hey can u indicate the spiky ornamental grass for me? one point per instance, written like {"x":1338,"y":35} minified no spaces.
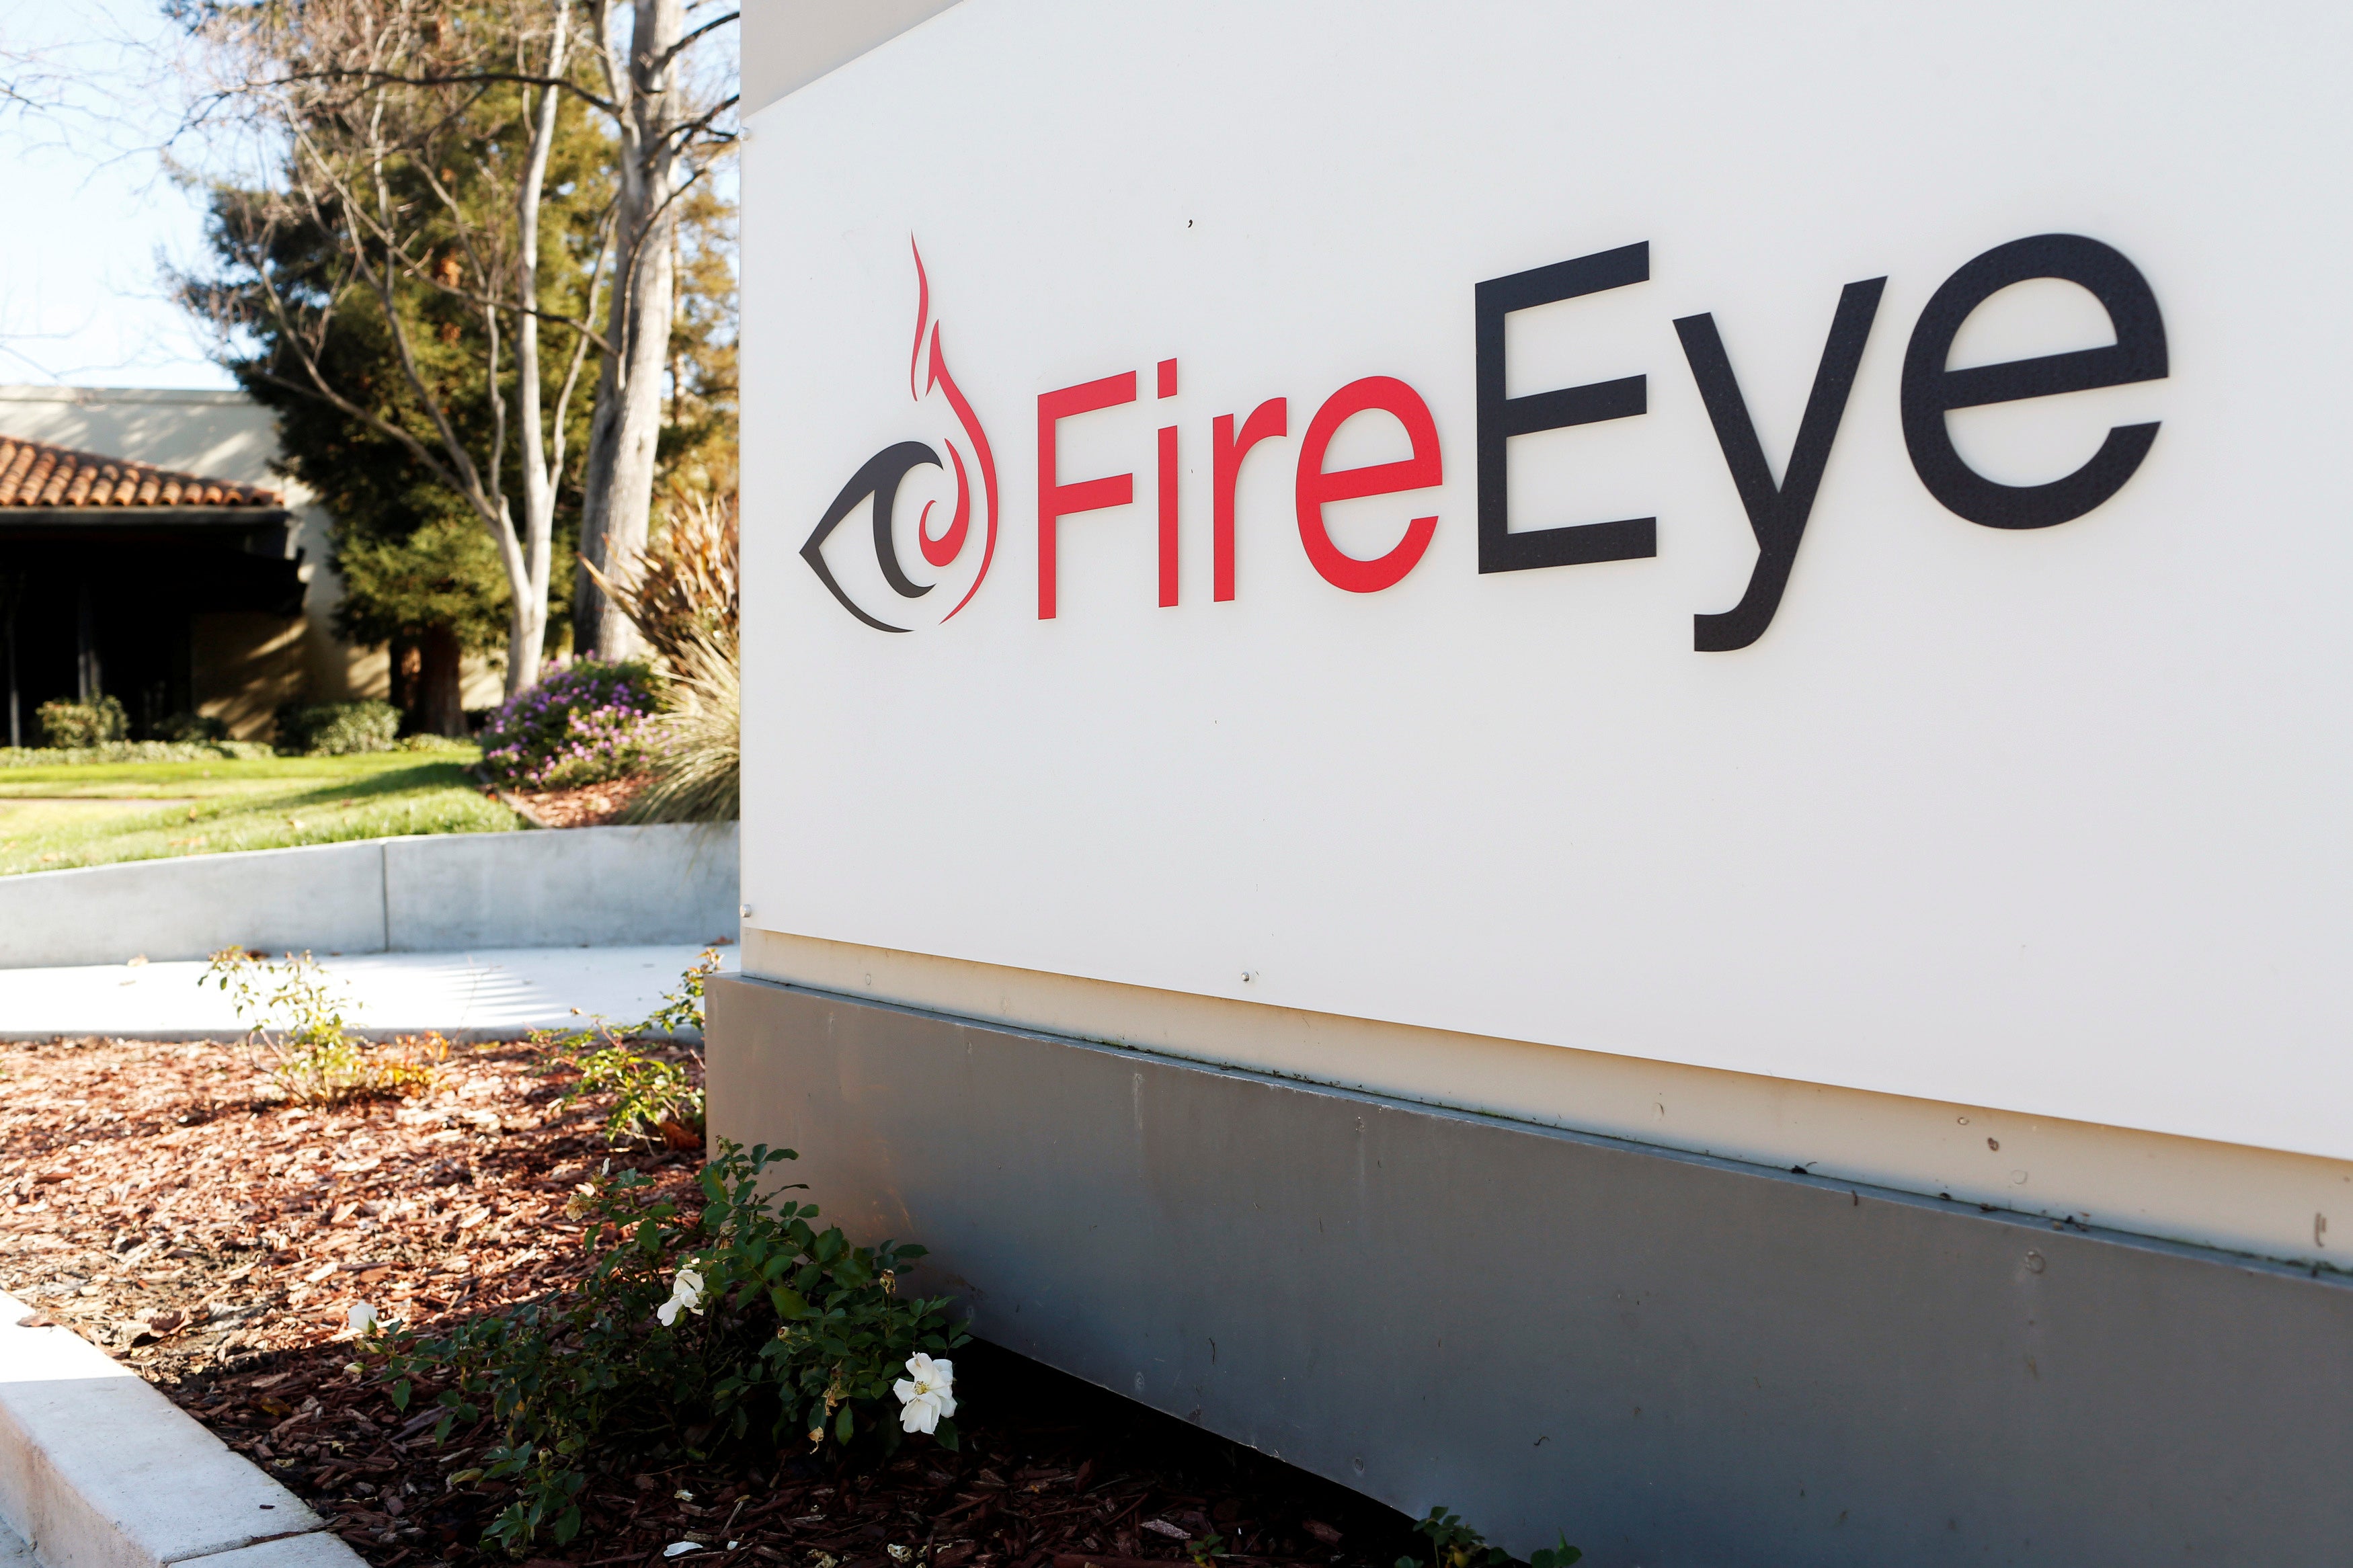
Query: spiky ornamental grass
{"x":685,"y":584}
{"x":695,"y":752}
{"x":683,"y":594}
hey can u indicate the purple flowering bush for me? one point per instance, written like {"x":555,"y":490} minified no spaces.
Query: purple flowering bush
{"x":584,"y":723}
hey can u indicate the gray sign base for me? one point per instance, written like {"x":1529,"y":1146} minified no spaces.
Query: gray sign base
{"x":1683,"y":1362}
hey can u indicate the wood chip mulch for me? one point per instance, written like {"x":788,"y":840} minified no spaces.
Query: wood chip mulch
{"x":589,"y":805}
{"x":159,"y":1200}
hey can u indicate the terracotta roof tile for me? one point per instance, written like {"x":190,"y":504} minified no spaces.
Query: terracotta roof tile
{"x":34,"y":473}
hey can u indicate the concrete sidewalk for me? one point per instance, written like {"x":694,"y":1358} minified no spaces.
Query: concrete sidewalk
{"x":482,"y":995}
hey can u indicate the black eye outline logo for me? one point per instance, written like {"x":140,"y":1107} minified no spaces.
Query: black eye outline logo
{"x":881,"y":473}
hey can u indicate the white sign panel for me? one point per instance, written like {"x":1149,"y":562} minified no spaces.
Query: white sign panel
{"x":1812,"y":539}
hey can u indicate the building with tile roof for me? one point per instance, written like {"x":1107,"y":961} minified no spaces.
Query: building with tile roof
{"x":149,"y":551}
{"x":36,"y":475}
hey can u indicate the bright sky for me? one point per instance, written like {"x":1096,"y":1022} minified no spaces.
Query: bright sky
{"x":91,"y":218}
{"x":90,"y":211}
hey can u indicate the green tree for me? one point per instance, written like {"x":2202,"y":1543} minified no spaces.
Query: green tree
{"x":433,"y":595}
{"x":432,"y":203}
{"x":419,"y":573}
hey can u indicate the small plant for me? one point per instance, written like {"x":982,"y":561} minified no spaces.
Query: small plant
{"x":411,"y":1065}
{"x":742,"y":1322}
{"x":654,"y":1097}
{"x":97,"y":723}
{"x":682,"y":1009}
{"x":655,"y":1094}
{"x":584,"y":723}
{"x":1205,"y":1551}
{"x":337,"y":729}
{"x":294,"y":1010}
{"x":1454,"y":1544}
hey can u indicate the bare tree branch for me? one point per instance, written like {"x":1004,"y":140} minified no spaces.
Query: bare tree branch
{"x":407,"y":177}
{"x":454,"y":78}
{"x":688,"y":42}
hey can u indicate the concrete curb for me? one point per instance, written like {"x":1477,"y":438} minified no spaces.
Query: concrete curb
{"x":99,"y":1470}
{"x":584,"y":887}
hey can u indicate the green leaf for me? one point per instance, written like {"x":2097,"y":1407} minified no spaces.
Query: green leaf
{"x":400,"y":1395}
{"x":946,"y":1435}
{"x":1561,"y":1556}
{"x":842,"y":1427}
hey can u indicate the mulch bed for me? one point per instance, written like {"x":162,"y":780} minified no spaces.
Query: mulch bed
{"x":159,"y":1200}
{"x":589,"y":805}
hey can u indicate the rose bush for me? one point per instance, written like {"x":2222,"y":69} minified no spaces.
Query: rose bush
{"x":739,"y":1323}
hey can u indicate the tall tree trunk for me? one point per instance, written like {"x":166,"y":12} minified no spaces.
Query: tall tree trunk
{"x":405,"y":665}
{"x":542,"y":448}
{"x":627,"y":422}
{"x":441,"y":696}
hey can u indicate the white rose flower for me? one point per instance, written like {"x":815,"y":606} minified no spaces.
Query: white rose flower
{"x":926,"y":1394}
{"x":363,"y":1318}
{"x":686,"y":1292}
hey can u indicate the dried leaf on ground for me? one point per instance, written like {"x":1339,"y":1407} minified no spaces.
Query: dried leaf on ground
{"x":159,"y":1200}
{"x":588,"y":806}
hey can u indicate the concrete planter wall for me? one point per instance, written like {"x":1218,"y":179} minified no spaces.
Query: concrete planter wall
{"x":582,"y":887}
{"x":1684,"y":1362}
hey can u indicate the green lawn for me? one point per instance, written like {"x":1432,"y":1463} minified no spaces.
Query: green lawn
{"x":94,"y":814}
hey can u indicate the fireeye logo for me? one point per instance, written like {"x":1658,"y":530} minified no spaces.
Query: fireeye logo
{"x":879,"y":477}
{"x":1778,"y":505}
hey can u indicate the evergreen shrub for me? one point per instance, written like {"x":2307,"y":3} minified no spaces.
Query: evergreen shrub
{"x":337,"y":729}
{"x":77,"y":725}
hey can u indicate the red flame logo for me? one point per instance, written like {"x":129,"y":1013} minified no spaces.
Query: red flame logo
{"x":879,"y":476}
